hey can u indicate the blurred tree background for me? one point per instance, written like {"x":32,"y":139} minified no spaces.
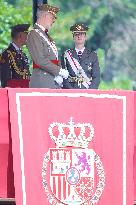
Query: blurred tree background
{"x":112,"y":33}
{"x":13,"y":12}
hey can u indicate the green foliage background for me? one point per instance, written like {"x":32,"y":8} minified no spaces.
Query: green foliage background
{"x":112,"y":33}
{"x":11,"y":14}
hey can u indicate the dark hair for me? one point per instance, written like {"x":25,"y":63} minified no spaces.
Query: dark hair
{"x":14,"y":34}
{"x":15,"y":30}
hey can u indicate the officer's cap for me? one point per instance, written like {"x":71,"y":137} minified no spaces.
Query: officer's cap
{"x":79,"y":27}
{"x":51,"y":9}
{"x":19,"y":28}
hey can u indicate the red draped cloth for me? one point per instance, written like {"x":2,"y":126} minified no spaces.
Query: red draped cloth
{"x":109,"y":174}
{"x":18,"y":83}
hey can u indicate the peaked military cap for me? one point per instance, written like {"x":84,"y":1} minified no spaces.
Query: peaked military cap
{"x":51,"y":9}
{"x":20,"y":28}
{"x":79,"y":27}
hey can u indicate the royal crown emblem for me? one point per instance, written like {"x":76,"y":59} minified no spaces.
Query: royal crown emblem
{"x":71,"y":134}
{"x":69,"y":168}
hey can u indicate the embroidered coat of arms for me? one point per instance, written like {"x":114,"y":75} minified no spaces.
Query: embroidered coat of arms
{"x":72,"y":173}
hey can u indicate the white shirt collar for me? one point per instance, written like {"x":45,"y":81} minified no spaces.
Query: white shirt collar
{"x":40,"y":26}
{"x":15,"y":46}
{"x":82,"y":50}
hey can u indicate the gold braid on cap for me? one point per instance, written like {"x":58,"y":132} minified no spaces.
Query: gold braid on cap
{"x":52,"y":12}
{"x":78,"y":27}
{"x":49,"y":8}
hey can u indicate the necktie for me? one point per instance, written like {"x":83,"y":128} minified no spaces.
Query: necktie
{"x":79,"y":55}
{"x":46,"y":32}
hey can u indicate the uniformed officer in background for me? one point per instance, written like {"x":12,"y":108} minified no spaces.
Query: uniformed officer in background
{"x":13,"y":62}
{"x":81,"y":62}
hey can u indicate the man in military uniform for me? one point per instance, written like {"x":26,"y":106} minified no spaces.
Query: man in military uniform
{"x":47,"y":73}
{"x":13,"y":62}
{"x":81,"y":63}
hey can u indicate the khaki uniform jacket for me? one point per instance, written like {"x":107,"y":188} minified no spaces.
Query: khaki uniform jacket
{"x":42,"y":54}
{"x":89,"y":63}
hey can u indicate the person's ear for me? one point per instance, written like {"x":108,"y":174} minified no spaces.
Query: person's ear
{"x":86,"y":37}
{"x":20,"y":35}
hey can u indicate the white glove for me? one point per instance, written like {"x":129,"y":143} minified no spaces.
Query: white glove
{"x":64,"y":73}
{"x":59,"y":80}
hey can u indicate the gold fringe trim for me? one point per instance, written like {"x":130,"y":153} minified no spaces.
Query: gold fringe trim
{"x":23,"y":73}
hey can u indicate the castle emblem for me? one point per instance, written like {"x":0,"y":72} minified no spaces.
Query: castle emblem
{"x":69,"y":170}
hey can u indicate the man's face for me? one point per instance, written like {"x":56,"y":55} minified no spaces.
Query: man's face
{"x":79,"y":37}
{"x":23,"y":37}
{"x":49,"y":19}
